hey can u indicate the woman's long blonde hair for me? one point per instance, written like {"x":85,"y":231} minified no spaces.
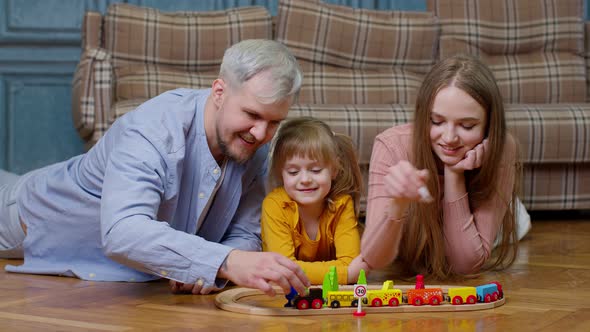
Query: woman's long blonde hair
{"x":423,"y":243}
{"x":313,"y":138}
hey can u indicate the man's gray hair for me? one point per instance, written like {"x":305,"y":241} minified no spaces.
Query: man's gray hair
{"x":245,"y":59}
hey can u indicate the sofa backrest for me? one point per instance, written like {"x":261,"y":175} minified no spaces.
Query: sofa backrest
{"x":535,"y":48}
{"x":191,"y":40}
{"x":356,"y":56}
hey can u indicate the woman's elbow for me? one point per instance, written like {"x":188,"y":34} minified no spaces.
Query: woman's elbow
{"x":467,"y":264}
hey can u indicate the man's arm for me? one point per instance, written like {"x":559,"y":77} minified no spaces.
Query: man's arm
{"x":135,"y":181}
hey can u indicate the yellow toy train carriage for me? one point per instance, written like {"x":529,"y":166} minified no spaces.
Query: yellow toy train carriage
{"x":387,"y":295}
{"x":461,"y":295}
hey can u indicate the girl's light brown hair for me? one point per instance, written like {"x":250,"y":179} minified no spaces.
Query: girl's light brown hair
{"x":423,"y":244}
{"x":312,"y":138}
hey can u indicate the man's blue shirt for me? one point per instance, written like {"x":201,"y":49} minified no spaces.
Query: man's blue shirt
{"x":128,"y":209}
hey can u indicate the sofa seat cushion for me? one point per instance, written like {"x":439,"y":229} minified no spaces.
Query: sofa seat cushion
{"x":192,"y":40}
{"x":357,"y":38}
{"x":322,"y":84}
{"x":535,"y":47}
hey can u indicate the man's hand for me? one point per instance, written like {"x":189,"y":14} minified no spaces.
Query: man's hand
{"x":262,"y":269}
{"x":197,"y":288}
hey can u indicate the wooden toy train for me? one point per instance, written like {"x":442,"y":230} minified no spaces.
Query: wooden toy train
{"x":388,"y":295}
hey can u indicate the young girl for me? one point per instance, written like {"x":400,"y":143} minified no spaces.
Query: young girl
{"x":443,"y":188}
{"x":310,"y":216}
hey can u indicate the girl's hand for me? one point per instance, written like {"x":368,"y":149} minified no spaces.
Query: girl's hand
{"x":354,"y":269}
{"x":472,"y":159}
{"x":405,"y":183}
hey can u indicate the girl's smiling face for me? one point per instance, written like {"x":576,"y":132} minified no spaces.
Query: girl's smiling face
{"x":307,"y":181}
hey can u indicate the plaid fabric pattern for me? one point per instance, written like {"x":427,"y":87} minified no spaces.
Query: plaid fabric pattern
{"x":326,"y":84}
{"x":539,"y":77}
{"x":147,"y":80}
{"x":551,"y":133}
{"x":91,"y":31}
{"x":91,"y":94}
{"x":322,"y":84}
{"x":357,"y":38}
{"x":191,"y":40}
{"x":534,"y":47}
{"x":556,"y":187}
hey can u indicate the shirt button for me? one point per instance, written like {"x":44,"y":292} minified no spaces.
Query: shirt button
{"x":201,"y":195}
{"x":216,"y":170}
{"x":200,"y":282}
{"x":164,"y":273}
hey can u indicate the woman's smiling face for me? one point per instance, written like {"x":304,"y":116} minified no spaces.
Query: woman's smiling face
{"x":458,"y":124}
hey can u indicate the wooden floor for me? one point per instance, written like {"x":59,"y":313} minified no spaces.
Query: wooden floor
{"x":547,"y":289}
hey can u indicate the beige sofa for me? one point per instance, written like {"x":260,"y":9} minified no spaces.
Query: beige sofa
{"x":362,"y":69}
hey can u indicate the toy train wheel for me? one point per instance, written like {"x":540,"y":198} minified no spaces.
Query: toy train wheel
{"x":317,"y":304}
{"x":335,"y":304}
{"x":488,"y":298}
{"x":376,"y":302}
{"x":303,"y":304}
{"x":435,"y":300}
{"x":457,"y":300}
{"x":471,"y":299}
{"x":394,"y":302}
{"x":354,"y":303}
{"x":418,"y":301}
{"x":495,"y":296}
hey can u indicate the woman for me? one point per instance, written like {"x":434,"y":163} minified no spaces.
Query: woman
{"x":443,"y":188}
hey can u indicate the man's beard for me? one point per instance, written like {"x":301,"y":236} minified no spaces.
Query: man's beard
{"x":227,"y":152}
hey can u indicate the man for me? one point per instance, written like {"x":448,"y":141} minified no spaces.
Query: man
{"x":173,"y":190}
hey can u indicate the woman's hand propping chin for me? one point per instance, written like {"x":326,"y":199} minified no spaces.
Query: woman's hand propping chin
{"x":473,"y":159}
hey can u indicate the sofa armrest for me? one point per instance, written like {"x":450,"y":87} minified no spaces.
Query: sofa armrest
{"x":92,"y":94}
{"x":91,"y":30}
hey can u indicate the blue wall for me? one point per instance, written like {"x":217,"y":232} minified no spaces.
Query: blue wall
{"x":39,"y":50}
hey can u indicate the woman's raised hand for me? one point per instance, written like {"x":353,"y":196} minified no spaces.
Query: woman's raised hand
{"x":405,"y":183}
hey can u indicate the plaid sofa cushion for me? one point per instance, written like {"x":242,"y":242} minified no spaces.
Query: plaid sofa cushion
{"x":144,"y":81}
{"x":322,"y":84}
{"x":556,"y":77}
{"x":551,"y":133}
{"x":357,"y":38}
{"x":556,"y":187}
{"x":537,"y":44}
{"x":193,"y":40}
{"x":327,"y":84}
